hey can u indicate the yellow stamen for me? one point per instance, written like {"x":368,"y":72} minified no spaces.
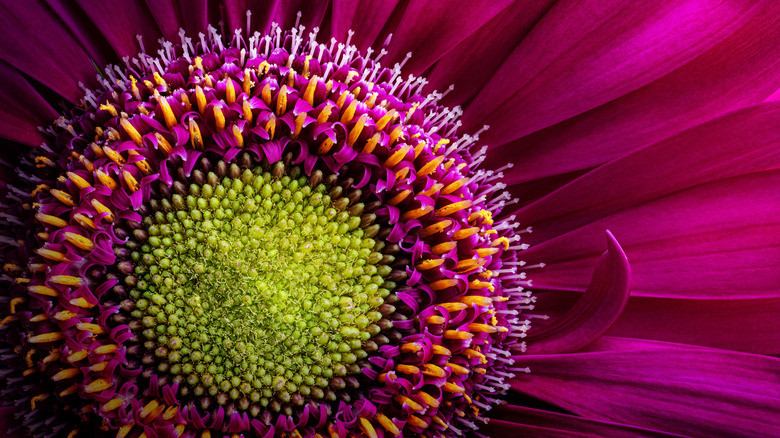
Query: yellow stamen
{"x":324,"y":114}
{"x":90,"y":327}
{"x":325,"y":146}
{"x":395,"y":134}
{"x":98,"y":367}
{"x":407,"y":369}
{"x":436,"y":419}
{"x":270,"y":127}
{"x":430,"y":166}
{"x":371,"y":144}
{"x":132,"y":183}
{"x":97,"y":149}
{"x":457,"y":369}
{"x":382,"y":122}
{"x":471,"y":353}
{"x":485,"y":215}
{"x":8,"y":319}
{"x":111,"y":405}
{"x":186,"y":101}
{"x":165,"y":107}
{"x":444,"y":283}
{"x":429,"y":399}
{"x":108,"y":107}
{"x":170,"y":412}
{"x":452,"y":208}
{"x":456,"y":334}
{"x":429,"y":264}
{"x":106,"y":349}
{"x":100,"y":208}
{"x":485,"y":328}
{"x":52,"y":356}
{"x":387,"y":424}
{"x":416,"y":213}
{"x":230,"y":90}
{"x":464,"y":233}
{"x":51,"y":220}
{"x":78,"y":181}
{"x":404,"y":400}
{"x":79,"y":241}
{"x":477,"y":285}
{"x":418,"y":148}
{"x":475,"y":300}
{"x":298,"y":125}
{"x":124,"y":430}
{"x":106,"y":180}
{"x":417,"y":422}
{"x":444,"y":248}
{"x":402,"y":173}
{"x":453,"y":388}
{"x":200,"y":98}
{"x":64,"y":315}
{"x":131,"y":131}
{"x":97,"y":386}
{"x":81,"y":302}
{"x":195,"y":138}
{"x":342,"y":99}
{"x":84,"y":221}
{"x":410,"y":347}
{"x":349,"y":113}
{"x":66,"y":280}
{"x":501,"y":241}
{"x":247,"y":82}
{"x":247,"y":110}
{"x":46,"y":337}
{"x":281,"y":101}
{"x":113,"y":155}
{"x":16,"y":301}
{"x":397,"y":156}
{"x":51,"y":255}
{"x":308,"y":95}
{"x":37,"y":398}
{"x":159,"y":80}
{"x":208,"y":81}
{"x":219,"y":118}
{"x":397,"y":199}
{"x":451,"y":187}
{"x":435,"y":319}
{"x":354,"y":134}
{"x":263,"y":68}
{"x":430,"y":369}
{"x":265,"y":94}
{"x":367,"y":428}
{"x":485,"y":252}
{"x":238,"y":136}
{"x":70,"y":390}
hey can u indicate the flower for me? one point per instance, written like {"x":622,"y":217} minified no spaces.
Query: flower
{"x":668,"y":170}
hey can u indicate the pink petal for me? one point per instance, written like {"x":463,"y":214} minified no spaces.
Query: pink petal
{"x":120,"y":29}
{"x":595,"y":312}
{"x":715,"y":241}
{"x":669,"y":387}
{"x":23,"y":109}
{"x":577,"y":59}
{"x":366,"y":18}
{"x":511,"y":420}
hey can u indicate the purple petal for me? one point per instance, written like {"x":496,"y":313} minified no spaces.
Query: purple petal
{"x":120,"y":29}
{"x":23,"y":108}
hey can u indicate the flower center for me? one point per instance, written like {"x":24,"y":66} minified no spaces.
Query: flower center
{"x":257,"y":286}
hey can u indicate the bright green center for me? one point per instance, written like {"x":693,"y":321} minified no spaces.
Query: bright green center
{"x":258,"y":287}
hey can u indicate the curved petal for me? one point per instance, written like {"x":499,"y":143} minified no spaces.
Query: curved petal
{"x":595,"y":312}
{"x":715,"y":241}
{"x":510,"y":420}
{"x":589,"y":54}
{"x":669,"y":387}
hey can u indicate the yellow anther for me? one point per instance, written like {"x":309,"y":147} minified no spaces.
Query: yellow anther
{"x":469,"y":265}
{"x":371,"y":144}
{"x":200,"y":99}
{"x":142,"y":165}
{"x":402,"y":173}
{"x":395,"y":134}
{"x":306,"y":67}
{"x":436,"y":227}
{"x":22,"y":280}
{"x":66,"y":280}
{"x":51,"y":255}
{"x":238,"y":136}
{"x":207,"y":81}
{"x":430,"y":369}
{"x":416,"y":213}
{"x":247,"y":82}
{"x":410,"y":347}
{"x":342,"y":99}
{"x":46,"y":337}
{"x":16,"y":301}
{"x":151,"y":406}
{"x":106,"y":349}
{"x":387,"y":424}
{"x":84,"y":221}
{"x":325,"y":146}
{"x":387,"y":118}
{"x":50,"y":220}
{"x":159,"y":80}
{"x":324,"y":114}
{"x":263,"y":68}
{"x":436,"y":319}
{"x":38,"y":189}
{"x":43,"y":236}
{"x":404,"y":400}
{"x":407,"y":369}
{"x":90,"y":327}
{"x":418,"y":148}
{"x":399,"y":198}
{"x":167,"y":112}
{"x":351,"y":75}
{"x":265,"y":94}
{"x":430,"y":166}
{"x":124,"y":431}
{"x":444,"y":248}
{"x":417,"y":422}
{"x":354,"y":134}
{"x":454,"y":186}
{"x":464,"y":233}
{"x":78,"y":181}
{"x":131,"y":182}
{"x":452,"y":208}
{"x":247,"y":110}
{"x":106,"y":180}
{"x":113,"y":155}
{"x":195,"y":138}
{"x":299,"y":119}
{"x":444,"y":283}
{"x":434,"y":189}
{"x":311,"y":88}
{"x":79,"y":241}
{"x":100,"y":208}
{"x":429,"y":399}
{"x":429,"y":264}
{"x":412,"y":110}
{"x":77,"y":356}
{"x":367,"y":428}
{"x":111,"y":405}
{"x":97,"y":150}
{"x":349,"y":113}
{"x":397,"y":156}
{"x":453,"y":307}
{"x":64,"y":315}
{"x":86,"y":163}
{"x":51,"y":357}
{"x":36,"y":399}
{"x":230,"y":91}
{"x":131,"y":131}
{"x":485,"y":252}
{"x":501,"y":241}
{"x":457,"y":334}
{"x":291,"y":77}
{"x":185,"y":99}
{"x":436,"y":419}
{"x":453,"y":388}
{"x":108,"y":107}
{"x":485,"y":215}
{"x":170,"y":412}
{"x":81,"y":302}
{"x":270,"y":127}
{"x":98,"y":367}
{"x":371,"y":100}
{"x":484,"y":328}
{"x":476,"y":300}
{"x":8,"y":319}
{"x":477,"y":285}
{"x":219,"y":118}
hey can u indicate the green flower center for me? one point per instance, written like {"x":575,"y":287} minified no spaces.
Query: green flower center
{"x":258,"y":287}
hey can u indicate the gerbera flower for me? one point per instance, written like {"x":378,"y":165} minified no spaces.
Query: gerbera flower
{"x":289,"y":233}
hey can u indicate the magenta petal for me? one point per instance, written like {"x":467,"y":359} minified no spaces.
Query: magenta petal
{"x":655,"y":385}
{"x":577,"y":59}
{"x":120,"y":30}
{"x":23,"y":108}
{"x":595,"y":312}
{"x":510,"y":420}
{"x":365,"y":18}
{"x":420,"y":29}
